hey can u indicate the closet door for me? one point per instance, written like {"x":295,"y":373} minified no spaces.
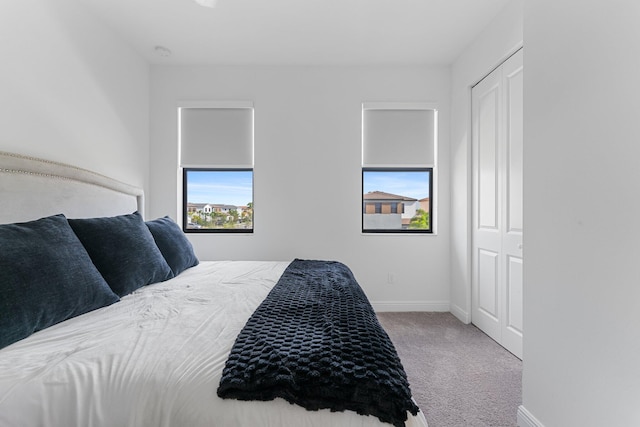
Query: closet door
{"x":497,"y":261}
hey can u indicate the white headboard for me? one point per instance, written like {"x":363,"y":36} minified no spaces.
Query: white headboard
{"x":32,"y":188}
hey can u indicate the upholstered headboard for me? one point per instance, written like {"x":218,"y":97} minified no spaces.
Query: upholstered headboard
{"x":32,"y":188}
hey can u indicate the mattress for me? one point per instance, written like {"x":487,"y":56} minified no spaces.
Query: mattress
{"x":153,"y":359}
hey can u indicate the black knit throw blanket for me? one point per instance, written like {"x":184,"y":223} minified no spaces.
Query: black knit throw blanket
{"x":315,"y":341}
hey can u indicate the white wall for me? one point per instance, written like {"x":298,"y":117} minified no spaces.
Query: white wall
{"x":500,"y":39}
{"x":582,"y":241}
{"x":70,"y":91}
{"x":308,"y":170}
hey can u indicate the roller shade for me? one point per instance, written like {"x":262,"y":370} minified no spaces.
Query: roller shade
{"x":216,"y":136}
{"x":403,"y":136}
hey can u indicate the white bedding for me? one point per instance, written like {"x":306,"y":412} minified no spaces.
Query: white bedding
{"x":153,"y":359}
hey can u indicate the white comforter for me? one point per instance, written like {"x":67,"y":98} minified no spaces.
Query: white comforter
{"x":153,"y":359}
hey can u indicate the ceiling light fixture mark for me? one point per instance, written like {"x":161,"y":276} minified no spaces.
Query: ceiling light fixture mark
{"x":162,"y":51}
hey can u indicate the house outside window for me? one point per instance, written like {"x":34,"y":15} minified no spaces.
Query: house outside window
{"x":389,"y":212}
{"x":233,"y":186}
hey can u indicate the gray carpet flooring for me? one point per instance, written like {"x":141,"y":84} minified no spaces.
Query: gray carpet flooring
{"x":458,"y":375}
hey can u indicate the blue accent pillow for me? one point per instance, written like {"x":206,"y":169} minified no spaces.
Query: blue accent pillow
{"x":46,"y":276}
{"x":174,"y":245}
{"x":123,"y":250}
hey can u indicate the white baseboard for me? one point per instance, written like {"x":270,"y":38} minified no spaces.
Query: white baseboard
{"x":526,"y":419}
{"x":381,"y":306}
{"x":461,"y":314}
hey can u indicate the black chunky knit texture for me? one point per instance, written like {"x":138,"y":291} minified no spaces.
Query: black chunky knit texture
{"x":315,"y":341}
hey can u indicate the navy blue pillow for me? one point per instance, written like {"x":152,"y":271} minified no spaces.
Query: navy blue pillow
{"x":46,"y":276}
{"x":173,"y":244}
{"x":123,"y":250}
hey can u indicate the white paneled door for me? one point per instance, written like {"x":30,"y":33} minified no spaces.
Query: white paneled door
{"x":497,"y":135}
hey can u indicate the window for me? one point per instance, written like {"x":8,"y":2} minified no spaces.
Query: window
{"x":399,"y":142}
{"x":218,"y":200}
{"x":216,"y":158}
{"x":386,"y":190}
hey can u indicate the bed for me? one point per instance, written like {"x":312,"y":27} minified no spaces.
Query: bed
{"x":177,"y":346}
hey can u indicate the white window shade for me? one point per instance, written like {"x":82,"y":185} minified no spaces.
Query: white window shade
{"x":402,"y":136}
{"x":216,"y":136}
